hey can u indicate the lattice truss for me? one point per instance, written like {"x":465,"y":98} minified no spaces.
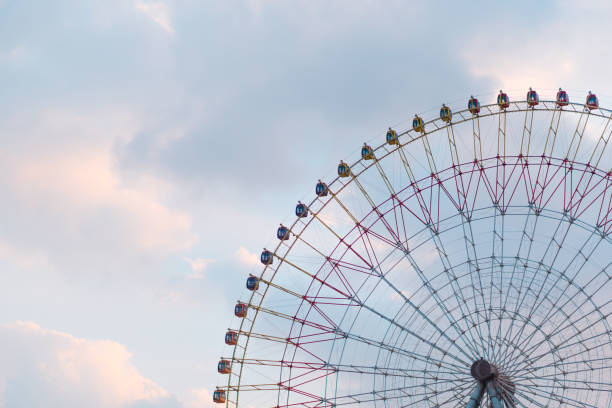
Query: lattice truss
{"x":483,"y":238}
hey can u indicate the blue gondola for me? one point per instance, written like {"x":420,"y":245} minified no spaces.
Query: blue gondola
{"x":252,"y":283}
{"x":301,"y":210}
{"x":266,"y":257}
{"x":282,"y":233}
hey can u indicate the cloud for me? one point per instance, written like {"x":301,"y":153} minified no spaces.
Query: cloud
{"x":41,"y":367}
{"x":198,"y":267}
{"x":86,"y":179}
{"x":156,"y":11}
{"x":199,"y":398}
{"x":246,"y":258}
{"x":22,"y":258}
{"x":557,"y":51}
{"x":70,"y":200}
{"x":16,"y":54}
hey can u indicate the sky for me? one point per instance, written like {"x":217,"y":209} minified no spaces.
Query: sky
{"x":149,"y":150}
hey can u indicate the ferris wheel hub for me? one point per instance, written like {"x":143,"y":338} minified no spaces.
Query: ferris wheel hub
{"x":482,"y":370}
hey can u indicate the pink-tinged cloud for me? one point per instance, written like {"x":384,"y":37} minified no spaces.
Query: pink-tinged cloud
{"x":57,"y":369}
{"x":199,"y":398}
{"x":70,"y":182}
{"x":157,"y":11}
{"x":246,"y":258}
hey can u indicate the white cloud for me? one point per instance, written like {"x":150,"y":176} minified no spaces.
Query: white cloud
{"x":198,"y":267}
{"x":246,"y":258}
{"x":156,"y":11}
{"x":40,"y":367}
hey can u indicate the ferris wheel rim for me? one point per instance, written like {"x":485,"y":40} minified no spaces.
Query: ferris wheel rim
{"x":520,"y":107}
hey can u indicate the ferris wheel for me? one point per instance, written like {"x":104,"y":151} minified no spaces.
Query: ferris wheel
{"x":463,"y":262}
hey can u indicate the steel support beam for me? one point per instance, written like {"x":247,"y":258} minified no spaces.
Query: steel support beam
{"x":495,"y":401}
{"x":476,"y":396}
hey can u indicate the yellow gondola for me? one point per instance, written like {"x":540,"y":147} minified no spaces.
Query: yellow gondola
{"x":366,"y":152}
{"x":417,"y":124}
{"x":391,"y":136}
{"x":446,"y":114}
{"x":343,"y":169}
